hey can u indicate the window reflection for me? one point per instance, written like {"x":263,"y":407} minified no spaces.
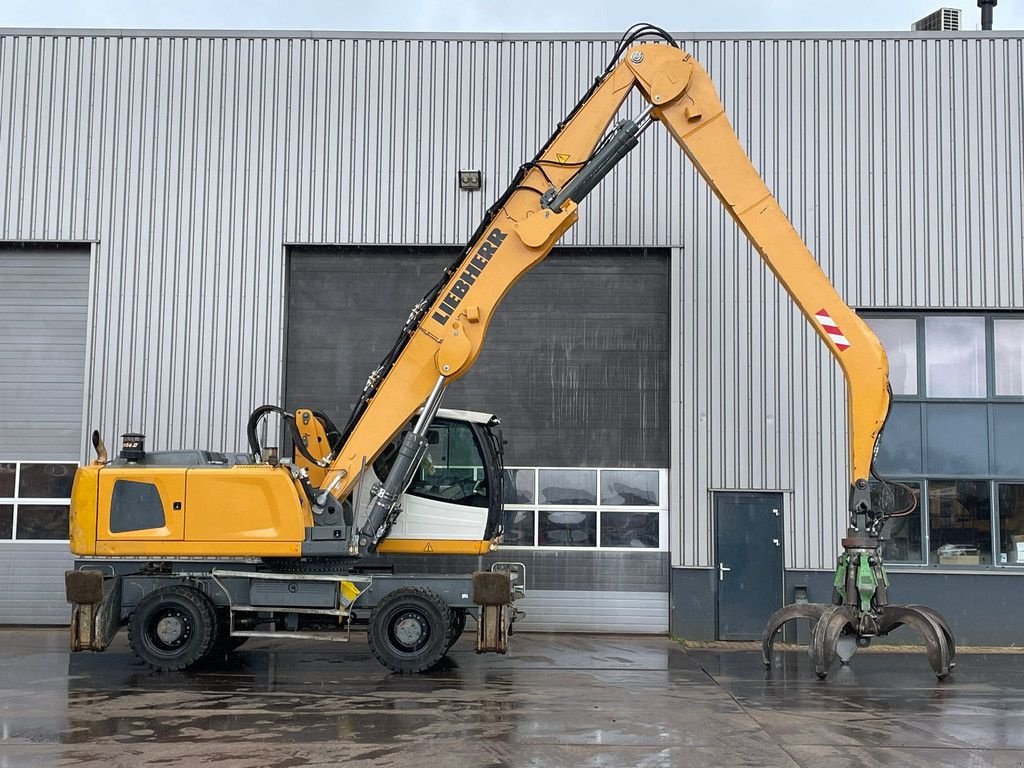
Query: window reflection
{"x":1011,"y":523}
{"x":959,"y":515}
{"x":46,"y":481}
{"x":37,"y":521}
{"x":1008,"y":341}
{"x":899,"y":339}
{"x":518,"y":527}
{"x":957,"y":438}
{"x":901,"y":536}
{"x":599,"y":496}
{"x":629,"y":529}
{"x":567,"y":529}
{"x":451,"y":468}
{"x":7,"y":474}
{"x":568,"y":486}
{"x":629,"y":487}
{"x":6,"y":521}
{"x":955,"y":356}
{"x":519,"y":486}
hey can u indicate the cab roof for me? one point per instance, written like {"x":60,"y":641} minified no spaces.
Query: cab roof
{"x":472,"y":416}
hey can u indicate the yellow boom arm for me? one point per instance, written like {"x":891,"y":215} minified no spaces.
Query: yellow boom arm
{"x":445,"y":336}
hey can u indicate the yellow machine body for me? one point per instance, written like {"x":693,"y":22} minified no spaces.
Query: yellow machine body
{"x":239,"y":511}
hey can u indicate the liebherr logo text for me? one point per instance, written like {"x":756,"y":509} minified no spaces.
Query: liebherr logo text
{"x":481,"y":259}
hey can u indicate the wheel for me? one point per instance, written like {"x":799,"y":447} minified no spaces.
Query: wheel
{"x":172,"y":628}
{"x":458,"y":626}
{"x":409,"y":630}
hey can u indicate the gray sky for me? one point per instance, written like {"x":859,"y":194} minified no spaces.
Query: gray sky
{"x":497,"y":15}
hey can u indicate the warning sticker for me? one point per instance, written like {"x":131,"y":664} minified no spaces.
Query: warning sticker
{"x":428,"y":548}
{"x":563,"y":158}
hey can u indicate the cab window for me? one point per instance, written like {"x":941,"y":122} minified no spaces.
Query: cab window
{"x":451,"y":470}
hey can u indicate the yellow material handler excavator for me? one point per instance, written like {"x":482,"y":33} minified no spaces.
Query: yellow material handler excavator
{"x":196,"y":551}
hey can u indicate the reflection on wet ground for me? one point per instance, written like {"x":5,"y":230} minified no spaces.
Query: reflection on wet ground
{"x":556,"y":700}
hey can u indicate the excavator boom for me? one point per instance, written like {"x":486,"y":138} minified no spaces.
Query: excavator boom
{"x":447,"y":330}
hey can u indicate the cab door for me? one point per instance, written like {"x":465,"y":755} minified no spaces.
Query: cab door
{"x":449,"y":499}
{"x":141,"y":504}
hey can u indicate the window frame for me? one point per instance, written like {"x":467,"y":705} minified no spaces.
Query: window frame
{"x":997,"y":528}
{"x":990,"y":330}
{"x":17,"y":501}
{"x":990,"y":374}
{"x":661,"y":509}
{"x":921,"y":400}
{"x":918,"y":320}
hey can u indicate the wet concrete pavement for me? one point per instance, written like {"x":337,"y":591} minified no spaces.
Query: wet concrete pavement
{"x":556,"y":700}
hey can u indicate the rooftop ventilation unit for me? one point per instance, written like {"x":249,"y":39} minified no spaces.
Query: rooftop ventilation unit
{"x":942,"y":20}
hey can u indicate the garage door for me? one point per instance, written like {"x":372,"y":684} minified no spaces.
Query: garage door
{"x":576,"y":365}
{"x":43,"y":308}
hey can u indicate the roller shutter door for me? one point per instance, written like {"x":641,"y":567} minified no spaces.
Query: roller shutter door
{"x":43,"y":320}
{"x":576,"y":365}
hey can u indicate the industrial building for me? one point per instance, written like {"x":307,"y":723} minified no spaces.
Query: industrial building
{"x":196,"y":223}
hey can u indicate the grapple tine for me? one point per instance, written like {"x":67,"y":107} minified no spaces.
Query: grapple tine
{"x":930,"y":631}
{"x":811,"y":611}
{"x":826,"y":634}
{"x":939,"y":619}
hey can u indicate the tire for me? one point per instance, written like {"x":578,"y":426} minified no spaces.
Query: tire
{"x":409,"y":630}
{"x":172,"y":628}
{"x":458,"y":626}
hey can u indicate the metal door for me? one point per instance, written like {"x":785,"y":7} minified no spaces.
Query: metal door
{"x":748,"y":547}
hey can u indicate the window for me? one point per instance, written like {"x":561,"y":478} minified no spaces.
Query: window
{"x":1011,"y":523}
{"x":519,"y":486}
{"x":42,"y":521}
{"x":1008,"y":346}
{"x":955,"y":356}
{"x":450,"y":470}
{"x":901,"y":537}
{"x":900,"y":452}
{"x":629,"y":529}
{"x":567,"y":486}
{"x":899,"y":338}
{"x":957,"y":438}
{"x":46,"y":481}
{"x":519,"y":527}
{"x":586,"y":508}
{"x":34,"y":500}
{"x":959,"y":517}
{"x":6,"y":521}
{"x":630,"y":487}
{"x":576,"y":528}
{"x":8,"y":479}
{"x":1008,"y":440}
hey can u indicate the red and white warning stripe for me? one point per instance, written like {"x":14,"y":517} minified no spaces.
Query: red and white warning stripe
{"x":832,"y":330}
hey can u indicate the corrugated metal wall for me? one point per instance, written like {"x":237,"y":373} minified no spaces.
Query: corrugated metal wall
{"x":193,"y":159}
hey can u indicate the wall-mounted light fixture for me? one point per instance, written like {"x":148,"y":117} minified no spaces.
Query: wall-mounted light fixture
{"x":469,"y":180}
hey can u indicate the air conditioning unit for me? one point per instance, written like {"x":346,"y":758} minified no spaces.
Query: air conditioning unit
{"x":942,"y":20}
